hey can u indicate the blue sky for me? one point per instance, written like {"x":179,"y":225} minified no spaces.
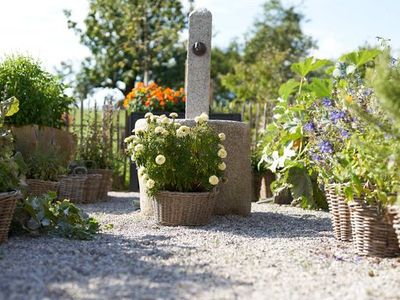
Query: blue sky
{"x":38,"y":28}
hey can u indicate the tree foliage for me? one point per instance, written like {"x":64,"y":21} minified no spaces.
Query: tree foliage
{"x":128,"y":39}
{"x":276,"y":42}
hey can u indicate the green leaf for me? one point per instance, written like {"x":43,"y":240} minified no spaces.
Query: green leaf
{"x":360,"y":58}
{"x":308,"y":65}
{"x":301,"y":185}
{"x":10,"y":106}
{"x":321,"y":87}
{"x":288,"y":88}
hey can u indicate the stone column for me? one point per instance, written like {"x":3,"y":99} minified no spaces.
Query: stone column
{"x":197,"y":85}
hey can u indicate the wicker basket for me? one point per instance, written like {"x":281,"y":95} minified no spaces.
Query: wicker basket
{"x":340,"y":212}
{"x":105,"y":184}
{"x":374,"y":234}
{"x":395,"y":212}
{"x":7,"y":206}
{"x":80,"y":188}
{"x":38,"y":187}
{"x":189,"y":209}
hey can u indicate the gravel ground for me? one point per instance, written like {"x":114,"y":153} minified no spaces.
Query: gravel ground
{"x":278,"y":252}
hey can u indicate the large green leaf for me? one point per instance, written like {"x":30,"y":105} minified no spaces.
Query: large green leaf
{"x":321,"y":87}
{"x":308,"y":65}
{"x":288,"y":88}
{"x":9,"y":107}
{"x":301,"y":185}
{"x":359,"y":58}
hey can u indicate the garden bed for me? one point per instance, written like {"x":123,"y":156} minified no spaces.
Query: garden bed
{"x":279,"y":252}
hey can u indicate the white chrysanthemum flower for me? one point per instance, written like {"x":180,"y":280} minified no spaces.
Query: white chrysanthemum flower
{"x":130,"y":146}
{"x":159,"y":130}
{"x":183,"y":131}
{"x":222,"y":153}
{"x":139,"y":147}
{"x":129,"y":139}
{"x":222,"y":166}
{"x":177,"y":125}
{"x":165,"y":121}
{"x":141,"y":171}
{"x":203,"y":118}
{"x":160,"y":159}
{"x":213,"y":180}
{"x":154,"y":118}
{"x":150,"y":183}
{"x":148,"y":115}
{"x":222,"y":136}
{"x":133,"y":157}
{"x":173,"y":115}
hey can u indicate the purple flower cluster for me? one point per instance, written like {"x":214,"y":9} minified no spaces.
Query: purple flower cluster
{"x":344,"y":133}
{"x":337,"y":115}
{"x":309,"y":127}
{"x":325,"y":147}
{"x":326,"y":102}
{"x":315,"y":156}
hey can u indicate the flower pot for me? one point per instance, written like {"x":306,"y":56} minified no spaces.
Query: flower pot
{"x":188,"y":209}
{"x":373,"y":230}
{"x":7,"y":206}
{"x":82,"y":188}
{"x":339,"y":211}
{"x":105,"y":183}
{"x":37,"y":187}
{"x":395,"y":212}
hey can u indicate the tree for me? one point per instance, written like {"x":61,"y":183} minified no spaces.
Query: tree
{"x":130,"y":40}
{"x":276,"y":42}
{"x":222,"y":63}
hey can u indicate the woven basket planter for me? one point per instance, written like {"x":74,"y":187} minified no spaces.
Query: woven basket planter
{"x":339,"y":211}
{"x":395,"y":212}
{"x":105,"y":183}
{"x":7,"y":206}
{"x":373,"y":230}
{"x":188,"y":209}
{"x":38,"y":187}
{"x":80,"y":188}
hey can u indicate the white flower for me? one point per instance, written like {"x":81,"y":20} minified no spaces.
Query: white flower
{"x":154,"y":118}
{"x":182,"y":131}
{"x":201,"y":119}
{"x":173,"y":115}
{"x":148,"y":115}
{"x":129,"y":139}
{"x":150,"y":183}
{"x":222,"y":153}
{"x":159,"y":130}
{"x":222,"y":166}
{"x":133,"y":157}
{"x":337,"y":73}
{"x":160,"y":159}
{"x":350,"y":69}
{"x":177,"y":125}
{"x":165,"y":120}
{"x":139,"y":147}
{"x":141,"y":171}
{"x":222,"y":136}
{"x":130,"y":146}
{"x":213,"y":180}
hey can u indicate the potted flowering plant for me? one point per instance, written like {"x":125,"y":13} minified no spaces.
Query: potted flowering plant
{"x":11,"y":167}
{"x":181,"y":166}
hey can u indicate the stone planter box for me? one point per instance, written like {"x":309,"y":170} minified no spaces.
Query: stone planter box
{"x":135,"y":116}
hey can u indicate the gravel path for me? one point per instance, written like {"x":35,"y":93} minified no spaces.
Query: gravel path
{"x":277,"y":253}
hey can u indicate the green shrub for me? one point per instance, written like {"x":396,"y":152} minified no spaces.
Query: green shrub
{"x":11,"y":165}
{"x":174,"y":157}
{"x":41,"y":94}
{"x":44,"y":214}
{"x":45,"y":165}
